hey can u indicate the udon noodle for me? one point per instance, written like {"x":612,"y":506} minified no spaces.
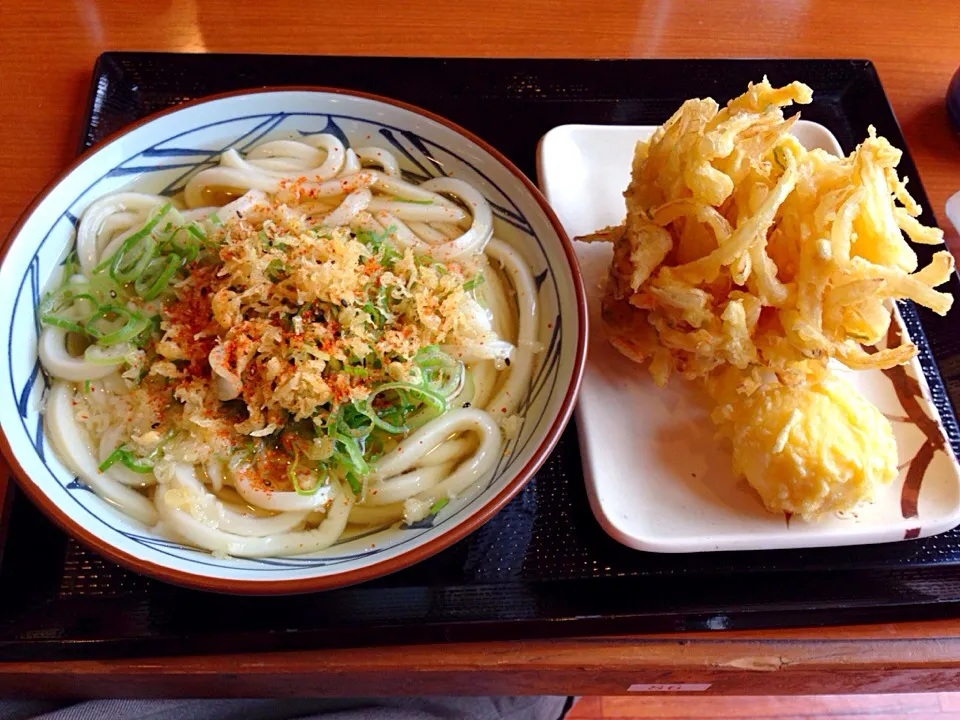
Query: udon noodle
{"x":302,"y":345}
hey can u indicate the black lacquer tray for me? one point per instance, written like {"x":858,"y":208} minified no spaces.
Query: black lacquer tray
{"x":542,"y":567}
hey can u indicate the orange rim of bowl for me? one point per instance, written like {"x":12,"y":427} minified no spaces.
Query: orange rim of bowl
{"x":378,"y":568}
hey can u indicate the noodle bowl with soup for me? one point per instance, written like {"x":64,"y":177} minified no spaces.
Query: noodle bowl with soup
{"x":304,"y":343}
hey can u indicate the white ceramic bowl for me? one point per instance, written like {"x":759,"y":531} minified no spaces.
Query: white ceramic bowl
{"x":157,"y":155}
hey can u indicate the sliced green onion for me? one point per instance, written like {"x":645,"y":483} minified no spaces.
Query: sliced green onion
{"x":137,"y":464}
{"x":214,"y":219}
{"x":133,"y":239}
{"x":156,"y":276}
{"x":453,"y":383}
{"x":433,"y":356}
{"x":153,"y":327}
{"x":353,"y":451}
{"x":429,"y":397}
{"x":356,"y":426}
{"x":125,"y":456}
{"x":332,"y":425}
{"x":85,"y":296}
{"x":393,"y":420}
{"x":187,"y":241}
{"x":134,"y":325}
{"x":60,"y":322}
{"x":474,"y":282}
{"x":387,"y":232}
{"x":390,"y":256}
{"x":67,"y":294}
{"x":123,"y":269}
{"x":378,"y":420}
{"x":378,"y":316}
{"x":441,"y":373}
{"x":86,"y":386}
{"x":58,"y":300}
{"x":112,"y":459}
{"x":307,"y":491}
{"x":199,"y":234}
{"x":355,"y":483}
{"x":439,"y":505}
{"x":275,"y":268}
{"x":376,"y":240}
{"x":292,"y":468}
{"x":368,"y":238}
{"x":70,"y":263}
{"x":187,"y":250}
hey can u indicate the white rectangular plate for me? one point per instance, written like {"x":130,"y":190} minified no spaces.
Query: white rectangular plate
{"x":657,"y":478}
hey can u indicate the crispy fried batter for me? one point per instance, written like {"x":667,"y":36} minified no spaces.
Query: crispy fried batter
{"x":742,"y":247}
{"x":747,"y":262}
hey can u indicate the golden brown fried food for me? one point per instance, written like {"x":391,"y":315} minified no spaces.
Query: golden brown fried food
{"x":747,"y":262}
{"x":741,"y":247}
{"x":809,"y":448}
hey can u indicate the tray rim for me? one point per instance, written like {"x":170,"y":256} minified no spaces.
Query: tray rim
{"x":862,"y":71}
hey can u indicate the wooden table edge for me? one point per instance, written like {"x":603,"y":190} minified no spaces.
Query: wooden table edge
{"x":910,"y":657}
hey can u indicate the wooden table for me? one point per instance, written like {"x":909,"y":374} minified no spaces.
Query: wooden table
{"x":47,"y":50}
